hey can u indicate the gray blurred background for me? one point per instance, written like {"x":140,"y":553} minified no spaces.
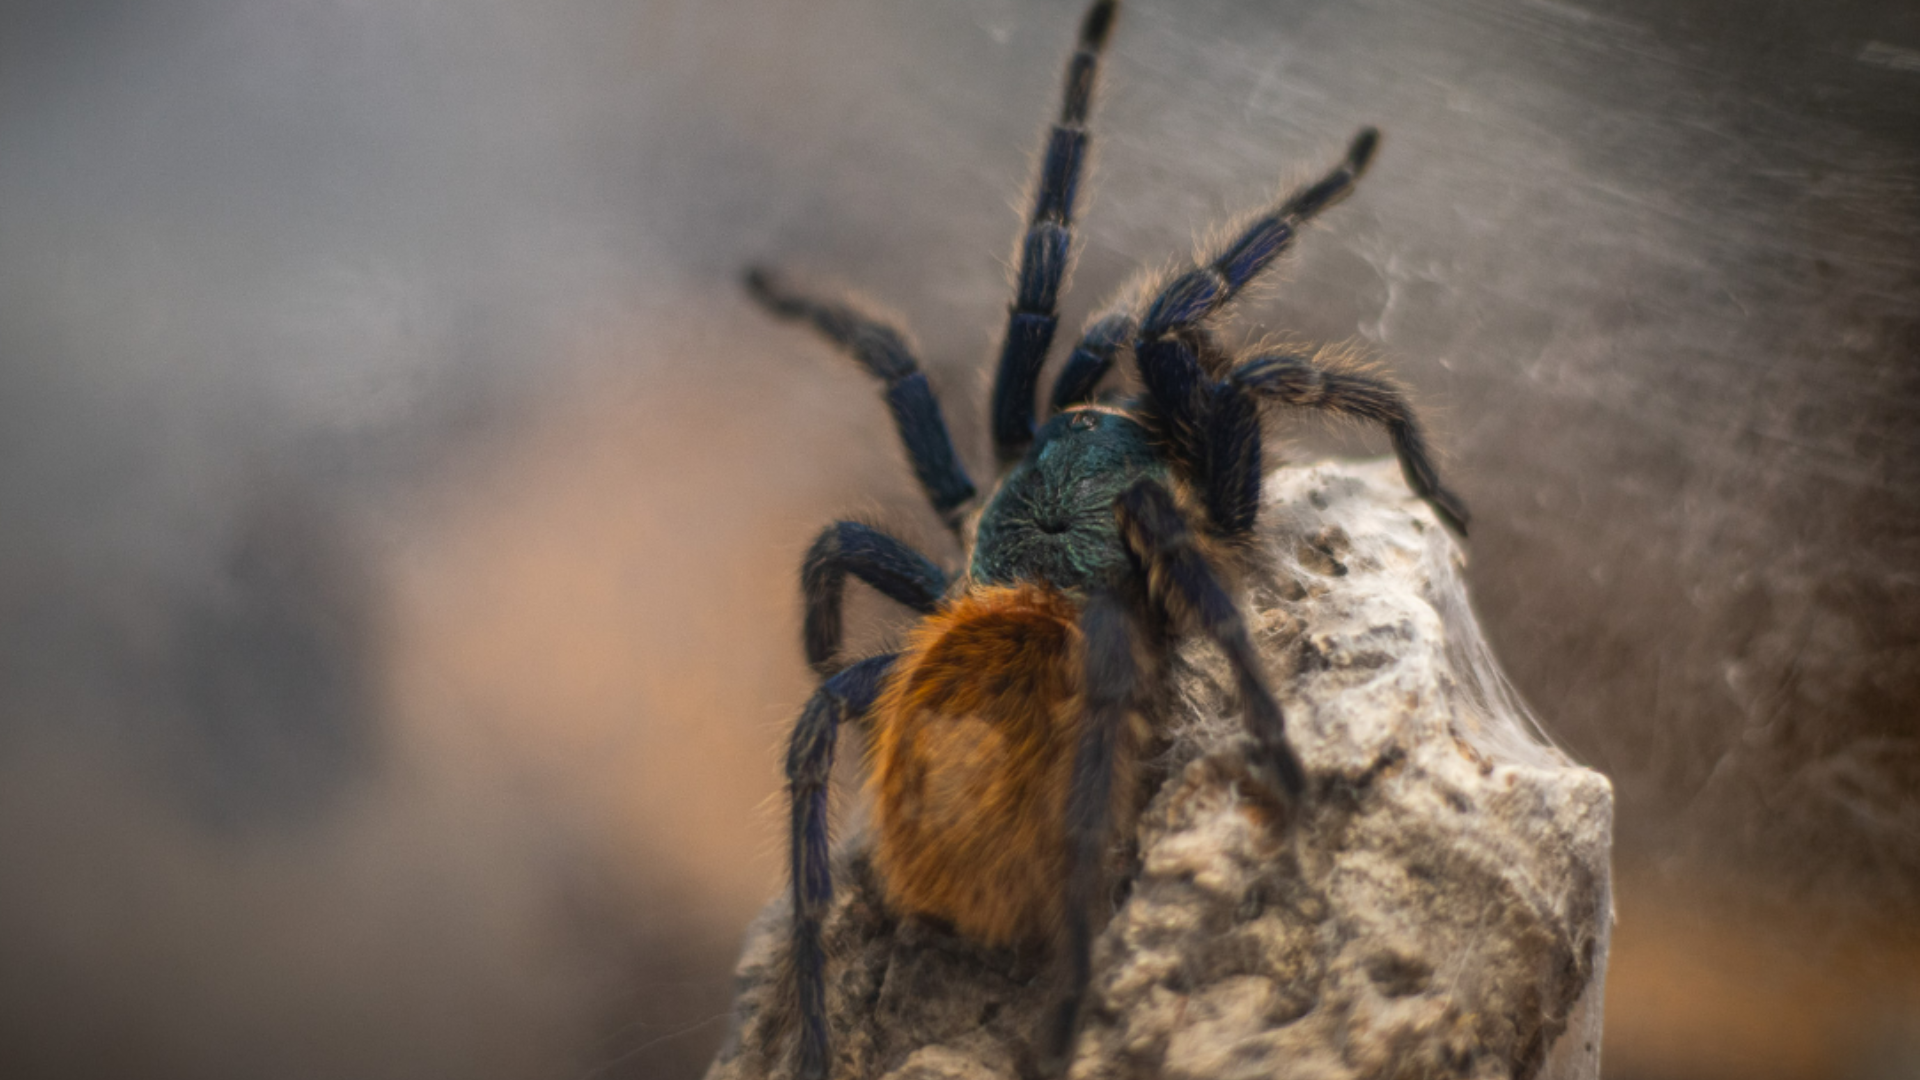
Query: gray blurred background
{"x":399,"y":505}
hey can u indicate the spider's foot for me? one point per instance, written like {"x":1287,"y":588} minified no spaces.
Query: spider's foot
{"x":1276,"y":765}
{"x":1452,"y":510}
{"x":759,"y":283}
{"x":1056,"y":1051}
{"x":1360,"y":150}
{"x":1271,"y":758}
{"x":812,"y":1063}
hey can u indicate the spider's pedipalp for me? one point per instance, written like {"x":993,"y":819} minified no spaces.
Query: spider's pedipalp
{"x":883,"y":351}
{"x":847,"y":695}
{"x":896,"y":570}
{"x":1046,"y":248}
{"x":1298,"y":380}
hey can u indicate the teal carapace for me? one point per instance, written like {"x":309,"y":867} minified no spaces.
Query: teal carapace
{"x":1052,"y":519}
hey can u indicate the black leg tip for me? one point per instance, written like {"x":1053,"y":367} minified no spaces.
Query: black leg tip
{"x":811,"y":1055}
{"x":758,"y":281}
{"x":1274,"y":761}
{"x":1057,"y":1051}
{"x":1098,"y":24}
{"x":1272,"y":756}
{"x":1451,"y":509}
{"x":1283,"y":768}
{"x":1360,"y":151}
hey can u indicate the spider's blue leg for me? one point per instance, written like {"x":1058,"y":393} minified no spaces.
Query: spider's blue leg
{"x":1191,"y":297}
{"x":1180,"y":578}
{"x":1297,"y":380}
{"x":1169,"y":342}
{"x":845,"y":696}
{"x":1092,"y":359}
{"x":1221,"y":448}
{"x":1176,"y":371}
{"x":1233,"y":461}
{"x":890,"y":566}
{"x":1111,"y":672}
{"x":1046,"y":248}
{"x":883,"y":351}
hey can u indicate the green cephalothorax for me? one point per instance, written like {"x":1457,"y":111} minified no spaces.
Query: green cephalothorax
{"x":1052,"y":519}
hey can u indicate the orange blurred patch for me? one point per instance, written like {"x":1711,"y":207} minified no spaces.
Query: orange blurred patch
{"x":1696,"y":991}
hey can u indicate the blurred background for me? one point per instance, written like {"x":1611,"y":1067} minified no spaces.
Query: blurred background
{"x":399,"y":505}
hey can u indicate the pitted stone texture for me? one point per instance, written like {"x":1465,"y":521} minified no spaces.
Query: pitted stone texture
{"x":1439,"y":908}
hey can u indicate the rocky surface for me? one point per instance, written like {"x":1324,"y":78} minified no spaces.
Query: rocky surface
{"x":1439,"y":908}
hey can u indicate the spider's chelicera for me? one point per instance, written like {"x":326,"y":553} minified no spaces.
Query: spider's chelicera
{"x":1004,"y":738}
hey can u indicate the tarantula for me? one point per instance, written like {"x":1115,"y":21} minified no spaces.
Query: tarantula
{"x":1004,"y":739}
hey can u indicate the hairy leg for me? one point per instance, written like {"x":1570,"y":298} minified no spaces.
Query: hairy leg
{"x":883,"y":351}
{"x":1109,"y":680}
{"x":889,"y":565}
{"x":1046,"y":249}
{"x":1092,"y":358}
{"x":1297,"y":380}
{"x":846,"y":696}
{"x":1167,"y":348}
{"x":1189,"y":298}
{"x":1233,"y":460}
{"x":1180,"y":578}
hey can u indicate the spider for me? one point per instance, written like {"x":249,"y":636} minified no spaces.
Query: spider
{"x":1005,"y":739}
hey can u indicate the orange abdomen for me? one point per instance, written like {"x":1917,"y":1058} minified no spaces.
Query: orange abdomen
{"x":971,"y":758}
